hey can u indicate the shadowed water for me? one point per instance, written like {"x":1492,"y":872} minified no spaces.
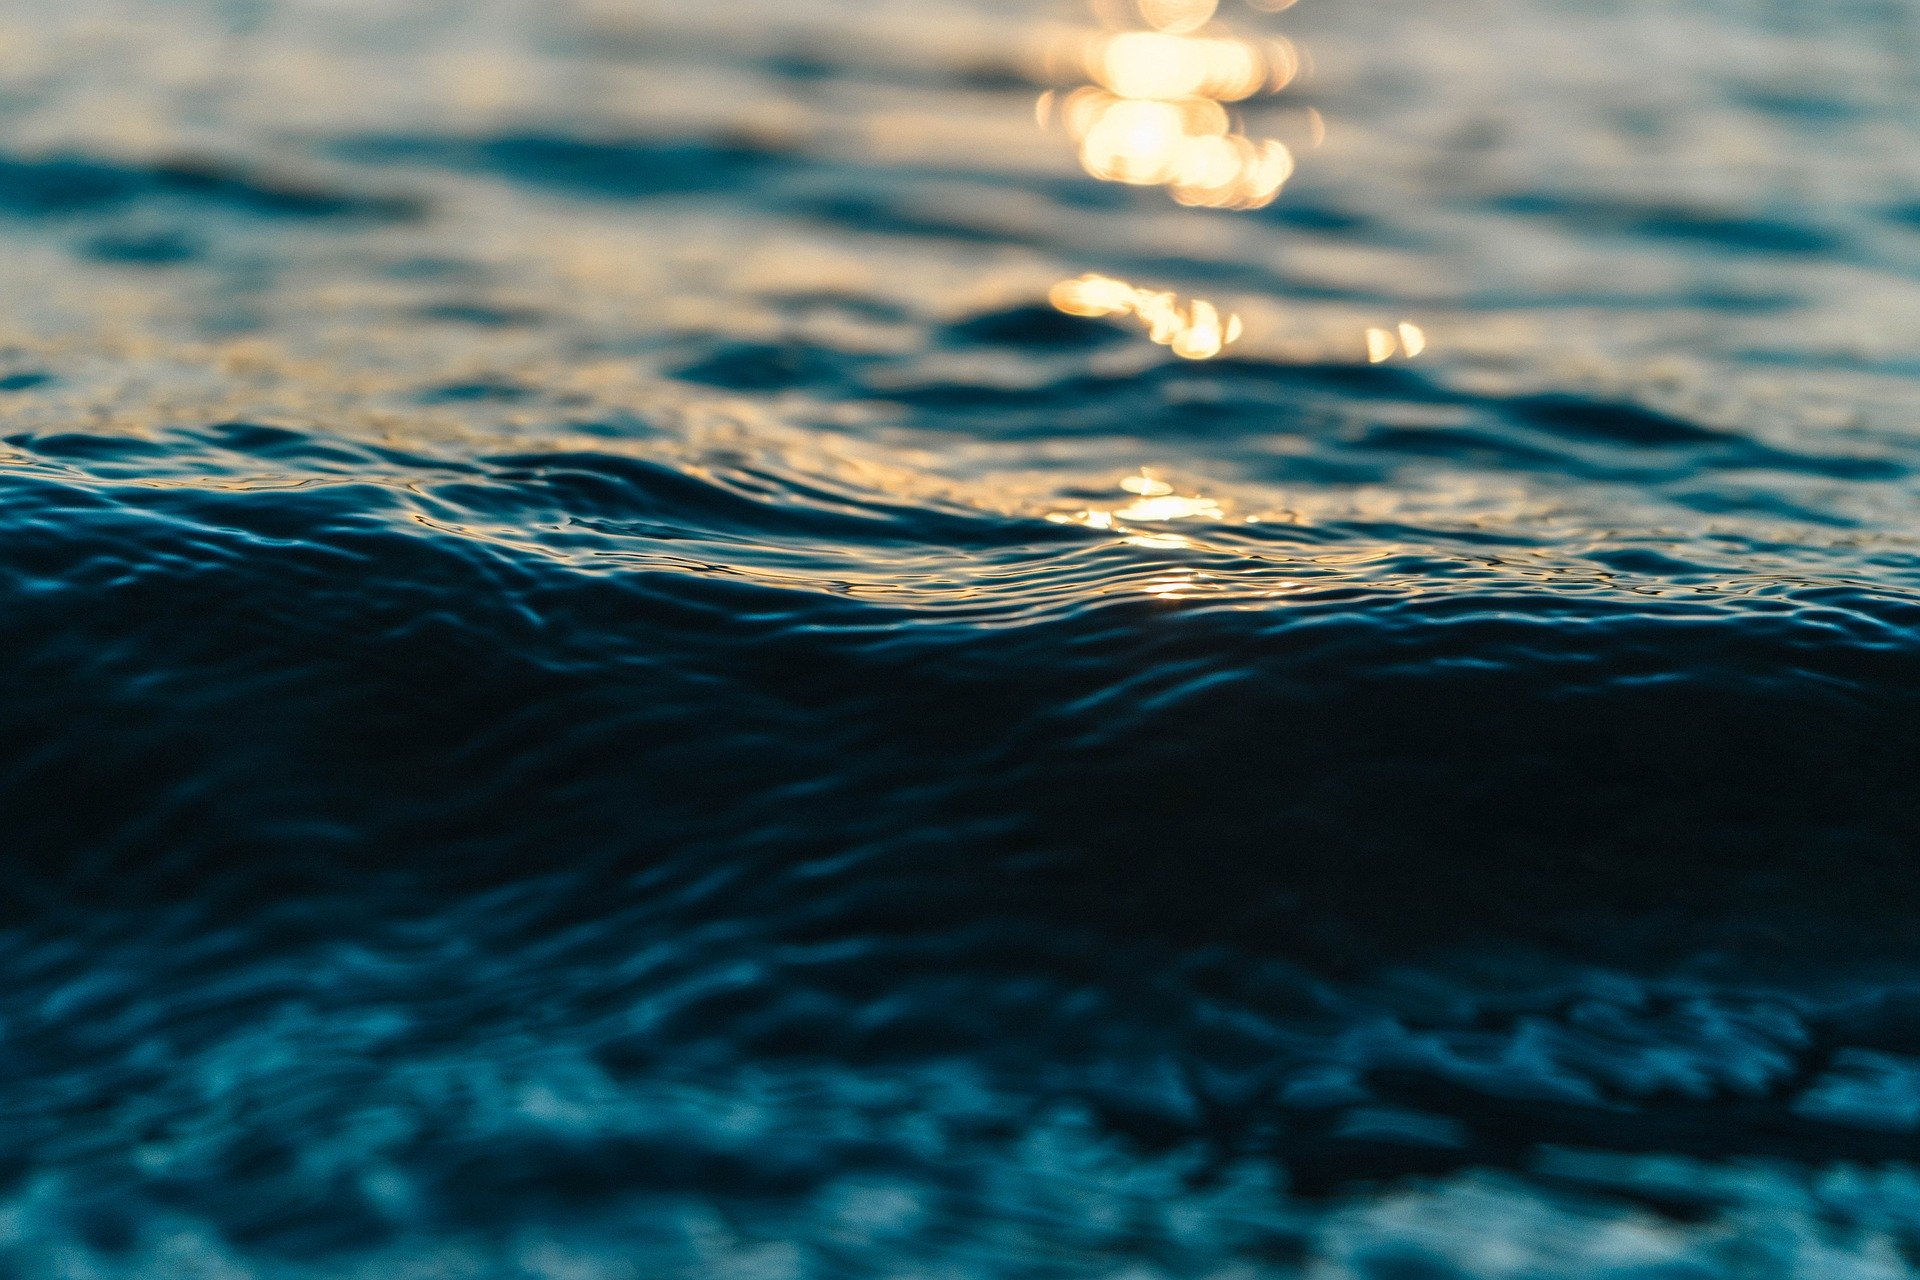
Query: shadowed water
{"x":604,"y":677}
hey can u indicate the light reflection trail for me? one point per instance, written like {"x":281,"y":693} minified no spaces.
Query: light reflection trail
{"x":1153,"y":502}
{"x":1151,"y":109}
{"x":1404,"y":339}
{"x":1193,"y":330}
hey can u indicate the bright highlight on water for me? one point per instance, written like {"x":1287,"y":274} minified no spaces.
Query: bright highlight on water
{"x":1155,"y":113}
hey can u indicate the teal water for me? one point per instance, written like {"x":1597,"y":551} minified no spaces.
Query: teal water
{"x":608,"y":674}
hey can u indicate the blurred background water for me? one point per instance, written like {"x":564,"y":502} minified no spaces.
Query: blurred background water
{"x":956,"y":639}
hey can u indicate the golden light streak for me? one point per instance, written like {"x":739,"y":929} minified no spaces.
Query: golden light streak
{"x":1154,"y":510}
{"x":1154,"y":503}
{"x":1153,"y":112}
{"x":1405,"y":339}
{"x":1194,"y":330}
{"x":1178,"y":16}
{"x":1146,"y":486}
{"x":1166,"y":67}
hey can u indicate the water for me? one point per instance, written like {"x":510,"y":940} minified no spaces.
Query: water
{"x":598,"y":683}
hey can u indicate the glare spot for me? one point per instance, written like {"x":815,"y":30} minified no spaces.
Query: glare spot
{"x":1178,"y":16}
{"x":1160,"y":65}
{"x":1153,"y":115}
{"x":1194,"y":330}
{"x":1406,"y":339}
{"x":1154,"y":503}
{"x":1153,"y":510}
{"x":1146,"y":486}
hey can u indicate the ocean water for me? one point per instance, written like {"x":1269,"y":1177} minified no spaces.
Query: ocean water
{"x":606,"y":671}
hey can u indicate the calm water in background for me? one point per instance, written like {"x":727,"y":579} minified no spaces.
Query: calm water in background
{"x":586,"y":695}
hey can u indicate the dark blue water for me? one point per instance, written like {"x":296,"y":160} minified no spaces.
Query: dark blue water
{"x":594,"y":683}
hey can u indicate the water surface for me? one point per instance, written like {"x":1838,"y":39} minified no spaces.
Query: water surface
{"x":605,"y":677}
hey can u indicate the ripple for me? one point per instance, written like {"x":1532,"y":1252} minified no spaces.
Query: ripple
{"x":71,"y":184}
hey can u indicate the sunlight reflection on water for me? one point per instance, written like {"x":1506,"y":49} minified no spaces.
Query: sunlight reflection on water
{"x":1164,"y":76}
{"x":1154,"y":113}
